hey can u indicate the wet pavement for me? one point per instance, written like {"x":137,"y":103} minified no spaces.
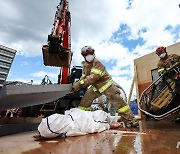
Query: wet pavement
{"x":152,"y":137}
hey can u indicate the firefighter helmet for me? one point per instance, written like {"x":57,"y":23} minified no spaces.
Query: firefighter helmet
{"x":87,"y":50}
{"x":160,"y":49}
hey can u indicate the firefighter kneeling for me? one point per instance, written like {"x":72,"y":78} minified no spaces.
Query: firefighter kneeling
{"x":94,"y":74}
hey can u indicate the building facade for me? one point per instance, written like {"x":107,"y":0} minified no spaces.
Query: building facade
{"x":6,"y":58}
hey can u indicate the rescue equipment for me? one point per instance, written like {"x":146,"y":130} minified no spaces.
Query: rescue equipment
{"x":161,"y":98}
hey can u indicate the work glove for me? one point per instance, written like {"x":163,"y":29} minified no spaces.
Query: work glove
{"x":78,"y":85}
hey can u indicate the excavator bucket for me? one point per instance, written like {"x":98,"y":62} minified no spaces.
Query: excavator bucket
{"x":58,"y":59}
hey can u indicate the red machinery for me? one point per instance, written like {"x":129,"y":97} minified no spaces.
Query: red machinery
{"x":58,"y":50}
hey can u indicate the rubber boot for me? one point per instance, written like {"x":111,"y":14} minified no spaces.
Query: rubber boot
{"x":129,"y":119}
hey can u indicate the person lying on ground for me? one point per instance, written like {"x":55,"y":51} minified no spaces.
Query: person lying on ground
{"x":76,"y":122}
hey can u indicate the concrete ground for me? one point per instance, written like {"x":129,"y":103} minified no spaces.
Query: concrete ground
{"x":152,"y":137}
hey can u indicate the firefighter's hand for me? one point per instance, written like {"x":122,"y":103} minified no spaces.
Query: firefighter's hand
{"x":76,"y":86}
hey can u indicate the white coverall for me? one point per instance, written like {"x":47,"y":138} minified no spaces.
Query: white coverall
{"x":75,"y":122}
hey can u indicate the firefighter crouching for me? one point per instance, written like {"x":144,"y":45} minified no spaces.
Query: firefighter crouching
{"x":95,"y":74}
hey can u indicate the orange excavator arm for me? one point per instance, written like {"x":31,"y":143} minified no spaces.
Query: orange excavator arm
{"x":58,"y":50}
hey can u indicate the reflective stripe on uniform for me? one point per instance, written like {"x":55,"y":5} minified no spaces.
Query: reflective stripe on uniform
{"x":81,"y":81}
{"x":104,"y":72}
{"x":103,"y":88}
{"x":107,"y":85}
{"x":123,"y":109}
{"x":84,"y":108}
{"x":83,"y":75}
{"x":160,"y":70}
{"x":98,"y":72}
{"x":94,"y":89}
{"x":177,"y":63}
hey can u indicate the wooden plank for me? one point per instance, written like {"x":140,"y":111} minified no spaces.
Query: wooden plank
{"x":131,"y":90}
{"x":163,"y":99}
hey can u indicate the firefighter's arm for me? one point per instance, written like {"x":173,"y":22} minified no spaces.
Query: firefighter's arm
{"x":85,"y":82}
{"x":97,"y":71}
{"x":175,"y":60}
{"x":78,"y":85}
{"x":90,"y":79}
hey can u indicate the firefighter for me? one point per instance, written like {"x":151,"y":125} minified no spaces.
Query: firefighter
{"x":95,"y":75}
{"x":166,"y":61}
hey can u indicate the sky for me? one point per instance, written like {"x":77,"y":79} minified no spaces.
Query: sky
{"x":119,"y":31}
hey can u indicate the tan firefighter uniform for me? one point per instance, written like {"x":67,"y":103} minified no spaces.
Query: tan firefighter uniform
{"x":95,"y":74}
{"x":167,"y":62}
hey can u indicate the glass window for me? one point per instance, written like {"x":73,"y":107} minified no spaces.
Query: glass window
{"x":4,"y":69}
{"x":3,"y":76}
{"x":5,"y":64}
{"x":6,"y":58}
{"x":154,"y":74}
{"x":1,"y":81}
{"x":7,"y":52}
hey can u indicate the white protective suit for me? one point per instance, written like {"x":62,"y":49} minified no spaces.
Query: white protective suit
{"x":75,"y":122}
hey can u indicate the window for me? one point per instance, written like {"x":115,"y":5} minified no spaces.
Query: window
{"x":154,"y":74}
{"x":1,"y":81}
{"x":7,"y":52}
{"x":6,"y":58}
{"x":5,"y":64}
{"x":4,"y":69}
{"x":3,"y":76}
